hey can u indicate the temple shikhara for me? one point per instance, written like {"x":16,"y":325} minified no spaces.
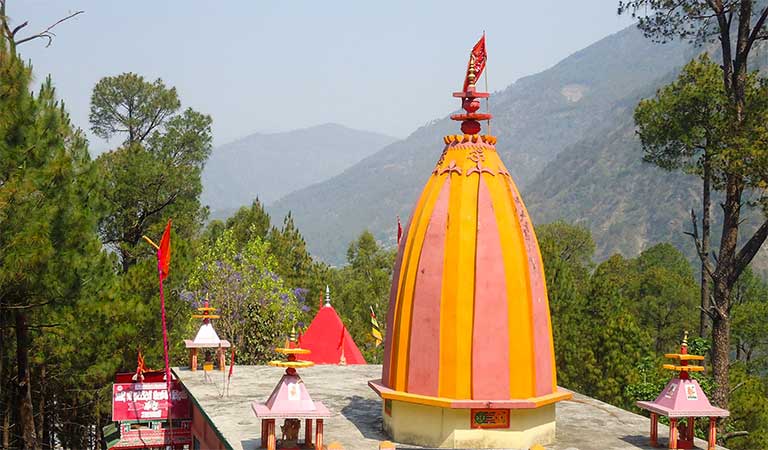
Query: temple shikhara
{"x":328,"y":340}
{"x":468,"y":357}
{"x":468,"y":354}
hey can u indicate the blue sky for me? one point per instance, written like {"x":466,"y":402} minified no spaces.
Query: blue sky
{"x":265,"y":66}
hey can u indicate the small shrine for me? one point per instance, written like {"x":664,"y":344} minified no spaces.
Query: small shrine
{"x":291,"y":402}
{"x":682,"y":400}
{"x":328,"y":339}
{"x":468,"y":356}
{"x":144,"y":417}
{"x":208,"y":340}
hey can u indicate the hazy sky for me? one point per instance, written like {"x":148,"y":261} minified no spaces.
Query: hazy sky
{"x":263,"y":66}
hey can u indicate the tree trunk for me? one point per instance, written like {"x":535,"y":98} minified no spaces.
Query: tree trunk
{"x":724,"y":281}
{"x":41,"y":407}
{"x":721,"y":334}
{"x":26,"y":415}
{"x":7,"y":427}
{"x":704,"y":320}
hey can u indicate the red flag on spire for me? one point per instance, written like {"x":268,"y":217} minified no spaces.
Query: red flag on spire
{"x":399,"y":230}
{"x":164,"y":252}
{"x":477,"y":60}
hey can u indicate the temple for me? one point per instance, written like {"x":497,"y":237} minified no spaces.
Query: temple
{"x":328,"y":340}
{"x":468,"y":357}
{"x":206,"y":339}
{"x":682,"y":400}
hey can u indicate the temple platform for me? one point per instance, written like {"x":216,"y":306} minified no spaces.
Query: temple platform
{"x":223,"y":421}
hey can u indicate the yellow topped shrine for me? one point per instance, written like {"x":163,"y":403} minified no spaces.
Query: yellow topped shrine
{"x":468,"y":328}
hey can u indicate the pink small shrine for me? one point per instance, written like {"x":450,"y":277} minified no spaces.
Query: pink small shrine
{"x":291,"y":401}
{"x":206,"y":339}
{"x":683,"y":398}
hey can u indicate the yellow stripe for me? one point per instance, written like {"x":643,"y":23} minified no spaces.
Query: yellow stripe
{"x":466,"y":288}
{"x":521,"y":362}
{"x":410,"y":265}
{"x":540,"y":264}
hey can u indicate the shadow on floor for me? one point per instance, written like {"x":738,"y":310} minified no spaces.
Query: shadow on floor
{"x":365,"y":415}
{"x":250,"y":444}
{"x":643,"y":442}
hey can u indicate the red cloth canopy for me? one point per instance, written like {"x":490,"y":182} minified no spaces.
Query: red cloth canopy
{"x":326,"y":337}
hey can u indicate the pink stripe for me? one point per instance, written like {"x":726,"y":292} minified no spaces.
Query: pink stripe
{"x":490,"y":330}
{"x":388,"y":333}
{"x":542,"y":335}
{"x":424,"y":348}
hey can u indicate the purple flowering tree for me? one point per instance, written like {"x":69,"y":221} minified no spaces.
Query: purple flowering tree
{"x":257,"y":309}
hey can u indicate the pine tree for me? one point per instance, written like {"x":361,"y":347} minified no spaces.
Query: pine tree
{"x":49,"y":251}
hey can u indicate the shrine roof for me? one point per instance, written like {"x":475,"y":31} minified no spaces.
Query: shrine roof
{"x":583,"y":423}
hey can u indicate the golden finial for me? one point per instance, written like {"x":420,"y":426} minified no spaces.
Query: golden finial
{"x":685,"y":338}
{"x":471,"y":76}
{"x":292,"y":336}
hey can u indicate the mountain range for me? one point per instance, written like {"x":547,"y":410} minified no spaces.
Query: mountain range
{"x":568,"y":126}
{"x":567,"y":137}
{"x":269,"y":166}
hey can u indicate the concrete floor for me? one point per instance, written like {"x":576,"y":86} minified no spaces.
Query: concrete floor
{"x":582,"y":423}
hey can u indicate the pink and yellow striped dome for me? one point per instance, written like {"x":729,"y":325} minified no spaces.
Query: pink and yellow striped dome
{"x":468,"y":313}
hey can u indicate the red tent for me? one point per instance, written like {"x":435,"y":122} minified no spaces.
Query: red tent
{"x":328,"y":339}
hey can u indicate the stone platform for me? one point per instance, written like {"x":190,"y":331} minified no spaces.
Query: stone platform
{"x":582,"y":423}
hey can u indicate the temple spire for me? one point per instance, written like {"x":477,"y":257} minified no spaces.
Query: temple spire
{"x":470,"y":122}
{"x":327,"y":295}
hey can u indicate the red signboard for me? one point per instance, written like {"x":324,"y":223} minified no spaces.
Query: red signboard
{"x":490,"y":418}
{"x":148,"y":401}
{"x":135,"y":437}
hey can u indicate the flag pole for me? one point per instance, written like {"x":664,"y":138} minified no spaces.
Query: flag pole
{"x":165,"y":355}
{"x":163,"y":261}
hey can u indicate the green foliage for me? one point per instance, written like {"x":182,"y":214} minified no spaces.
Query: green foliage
{"x":256,"y":307}
{"x":249,"y":222}
{"x":126,"y":104}
{"x":156,"y":174}
{"x":606,"y":319}
{"x":750,"y":322}
{"x":51,"y":261}
{"x":749,"y":409}
{"x":687,"y":122}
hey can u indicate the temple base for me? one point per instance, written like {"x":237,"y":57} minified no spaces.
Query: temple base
{"x":435,"y":426}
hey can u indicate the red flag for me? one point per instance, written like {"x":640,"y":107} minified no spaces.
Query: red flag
{"x":164,"y":252}
{"x":399,"y":230}
{"x":477,"y":60}
{"x":141,"y":367}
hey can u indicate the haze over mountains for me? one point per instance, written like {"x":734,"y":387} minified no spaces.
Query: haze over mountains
{"x":269,"y":166}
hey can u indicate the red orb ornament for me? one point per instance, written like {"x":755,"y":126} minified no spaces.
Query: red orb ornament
{"x":470,"y":105}
{"x":470,"y":127}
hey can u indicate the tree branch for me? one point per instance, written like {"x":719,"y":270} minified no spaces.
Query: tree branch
{"x":28,"y":306}
{"x":733,"y":389}
{"x":734,"y":434}
{"x":756,"y":30}
{"x":708,"y":313}
{"x":47,"y":33}
{"x":748,"y":251}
